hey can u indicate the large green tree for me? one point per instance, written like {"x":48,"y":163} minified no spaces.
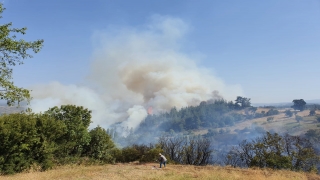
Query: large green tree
{"x":299,"y":104}
{"x":13,"y":51}
{"x":77,"y":120}
{"x":242,"y":102}
{"x":100,"y":146}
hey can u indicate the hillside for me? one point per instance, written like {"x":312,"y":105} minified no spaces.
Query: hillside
{"x":4,"y":109}
{"x":280,"y":123}
{"x":150,"y":171}
{"x":225,"y":123}
{"x":208,"y":134}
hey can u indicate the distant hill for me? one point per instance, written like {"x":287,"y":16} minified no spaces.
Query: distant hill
{"x":272,"y":104}
{"x":10,"y":110}
{"x":225,"y":123}
{"x":312,"y":101}
{"x":5,"y":109}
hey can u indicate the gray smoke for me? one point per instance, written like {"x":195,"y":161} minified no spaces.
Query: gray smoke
{"x":133,"y":69}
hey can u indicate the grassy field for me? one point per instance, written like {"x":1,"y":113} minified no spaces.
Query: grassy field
{"x":281,"y":123}
{"x":151,"y":171}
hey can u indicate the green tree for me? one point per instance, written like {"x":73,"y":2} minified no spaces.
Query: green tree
{"x":299,"y":104}
{"x":312,"y":112}
{"x":269,"y":119}
{"x":288,"y":113}
{"x":100,"y":145}
{"x":28,"y":139}
{"x":77,"y":120}
{"x":17,"y":136}
{"x":272,"y":112}
{"x":12,"y":52}
{"x":242,"y":102}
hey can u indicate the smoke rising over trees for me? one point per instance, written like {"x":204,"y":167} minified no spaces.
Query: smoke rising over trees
{"x":134,"y":69}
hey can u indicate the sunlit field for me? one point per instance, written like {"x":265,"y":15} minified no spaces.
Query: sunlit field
{"x":151,"y":171}
{"x":280,"y":124}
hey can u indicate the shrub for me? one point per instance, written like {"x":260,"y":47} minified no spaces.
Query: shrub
{"x":26,"y":141}
{"x":269,"y":119}
{"x":312,"y":112}
{"x":299,"y":118}
{"x":272,"y":112}
{"x":258,"y":115}
{"x":275,"y":151}
{"x":288,"y":113}
{"x":141,"y":153}
{"x":100,"y":146}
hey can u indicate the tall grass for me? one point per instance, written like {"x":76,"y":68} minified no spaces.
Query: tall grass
{"x":151,"y":171}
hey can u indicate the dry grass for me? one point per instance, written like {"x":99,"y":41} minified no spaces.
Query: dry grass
{"x":281,"y":123}
{"x":147,"y":171}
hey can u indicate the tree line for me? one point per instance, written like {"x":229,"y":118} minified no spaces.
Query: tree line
{"x":275,"y":151}
{"x":58,"y":136}
{"x":214,"y":113}
{"x":61,"y":136}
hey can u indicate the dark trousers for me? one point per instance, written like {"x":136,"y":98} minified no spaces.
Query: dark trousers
{"x":164,"y":164}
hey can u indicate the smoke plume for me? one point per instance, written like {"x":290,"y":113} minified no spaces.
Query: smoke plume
{"x":133,"y":69}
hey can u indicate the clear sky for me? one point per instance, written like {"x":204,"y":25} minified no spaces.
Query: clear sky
{"x":269,"y":48}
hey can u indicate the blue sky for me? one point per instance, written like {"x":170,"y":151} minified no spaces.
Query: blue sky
{"x":269,"y":48}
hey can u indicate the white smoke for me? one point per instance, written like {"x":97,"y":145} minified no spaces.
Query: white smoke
{"x":56,"y":94}
{"x":133,"y":69}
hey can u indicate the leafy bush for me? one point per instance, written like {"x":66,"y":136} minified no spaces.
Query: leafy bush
{"x":141,"y":153}
{"x":272,"y":112}
{"x":27,"y":140}
{"x":312,"y":112}
{"x":299,"y":118}
{"x":60,"y":136}
{"x":77,"y":120}
{"x":100,"y":146}
{"x":288,"y":113}
{"x":269,"y":119}
{"x":258,"y":115}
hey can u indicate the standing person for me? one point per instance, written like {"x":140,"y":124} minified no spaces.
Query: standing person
{"x":162,"y":160}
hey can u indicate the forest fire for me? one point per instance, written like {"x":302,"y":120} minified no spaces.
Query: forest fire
{"x":150,"y":110}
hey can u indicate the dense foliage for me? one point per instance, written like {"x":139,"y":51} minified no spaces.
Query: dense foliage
{"x":299,"y":104}
{"x":27,"y":140}
{"x":208,"y":114}
{"x":58,"y":136}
